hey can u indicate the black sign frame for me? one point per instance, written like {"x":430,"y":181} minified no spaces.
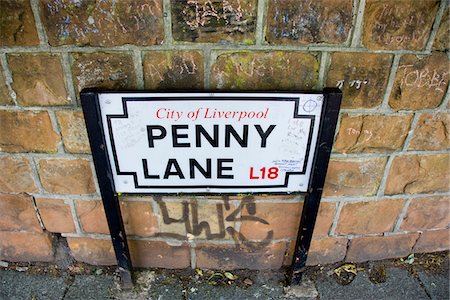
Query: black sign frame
{"x":110,"y":198}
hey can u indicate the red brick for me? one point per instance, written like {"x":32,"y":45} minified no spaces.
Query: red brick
{"x":442,"y":39}
{"x":369,"y":217}
{"x":402,"y":24}
{"x":433,"y":241}
{"x":427,"y":213}
{"x":138,"y":218}
{"x":306,"y":22}
{"x":324,"y":220}
{"x":38,"y":79}
{"x":109,"y":71}
{"x":26,"y":247}
{"x":255,"y":256}
{"x":17,"y":27}
{"x":155,"y":254}
{"x":66,"y":176}
{"x":5,"y":96}
{"x":73,"y":130}
{"x":418,"y":174}
{"x":271,"y":220}
{"x":174,"y":70}
{"x":214,"y":21}
{"x":349,"y":177}
{"x":16,"y":175}
{"x":92,"y":251}
{"x":103,"y":23}
{"x":327,"y":251}
{"x":27,"y":131}
{"x":362,"y":77}
{"x":432,"y":132}
{"x":18,"y":213}
{"x":420,"y":82}
{"x":372,"y":133}
{"x":56,"y":215}
{"x":260,"y":70}
{"x":92,"y":216}
{"x":380,"y":247}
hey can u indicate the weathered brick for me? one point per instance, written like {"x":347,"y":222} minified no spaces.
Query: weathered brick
{"x":306,"y":22}
{"x":73,"y":130}
{"x":26,"y":247}
{"x":271,"y":221}
{"x":55,"y":215}
{"x":432,"y":132}
{"x":369,"y":217}
{"x":18,"y":213}
{"x":404,"y":24}
{"x":173,"y":70}
{"x":374,"y":133}
{"x":347,"y":177}
{"x":420,"y":82}
{"x":255,"y":256}
{"x":138,"y":218}
{"x":433,"y":241}
{"x":92,"y":251}
{"x":103,"y":22}
{"x":265,"y":71}
{"x":5,"y":97}
{"x":214,"y":21}
{"x":66,"y":176}
{"x":172,"y":219}
{"x":110,"y":71}
{"x":38,"y":79}
{"x":17,"y":27}
{"x":327,"y":251}
{"x":27,"y":131}
{"x":380,"y":247}
{"x":92,"y":216}
{"x":16,"y":175}
{"x":418,"y":174}
{"x":324,"y":219}
{"x":156,"y":254}
{"x":427,"y":213}
{"x":362,"y":77}
{"x":442,"y":39}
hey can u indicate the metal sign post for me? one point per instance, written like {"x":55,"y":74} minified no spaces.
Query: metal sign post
{"x":210,"y":143}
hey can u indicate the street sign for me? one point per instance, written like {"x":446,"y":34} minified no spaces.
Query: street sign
{"x":210,"y":142}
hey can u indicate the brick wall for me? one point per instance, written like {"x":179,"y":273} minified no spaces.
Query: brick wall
{"x":387,"y":189}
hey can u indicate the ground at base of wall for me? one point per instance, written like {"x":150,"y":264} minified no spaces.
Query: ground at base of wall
{"x":422,"y":276}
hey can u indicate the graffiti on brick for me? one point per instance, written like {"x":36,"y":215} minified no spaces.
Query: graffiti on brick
{"x":357,"y":83}
{"x":426,"y":78}
{"x":245,"y":212}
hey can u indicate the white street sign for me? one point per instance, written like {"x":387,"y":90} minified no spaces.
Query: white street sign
{"x":210,"y":142}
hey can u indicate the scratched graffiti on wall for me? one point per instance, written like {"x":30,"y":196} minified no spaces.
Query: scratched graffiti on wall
{"x":225,"y":215}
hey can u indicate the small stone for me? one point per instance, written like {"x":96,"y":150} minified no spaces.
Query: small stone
{"x":4,"y":264}
{"x":305,"y":289}
{"x":98,"y":272}
{"x":248,"y":282}
{"x":21,"y":269}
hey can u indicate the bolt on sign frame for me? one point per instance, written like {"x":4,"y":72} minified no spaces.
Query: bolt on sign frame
{"x":279,"y":143}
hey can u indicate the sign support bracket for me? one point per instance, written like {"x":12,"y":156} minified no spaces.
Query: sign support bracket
{"x":330,"y":113}
{"x":91,"y":110}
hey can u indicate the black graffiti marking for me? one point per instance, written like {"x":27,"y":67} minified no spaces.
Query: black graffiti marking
{"x":197,"y":227}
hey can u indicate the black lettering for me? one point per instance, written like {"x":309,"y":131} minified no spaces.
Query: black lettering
{"x":152,"y":137}
{"x":146,"y":175}
{"x":176,"y":136}
{"x":263,"y":134}
{"x":229,"y":130}
{"x":193,"y":163}
{"x":199,"y":130}
{"x":173,"y":162}
{"x":221,"y":168}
